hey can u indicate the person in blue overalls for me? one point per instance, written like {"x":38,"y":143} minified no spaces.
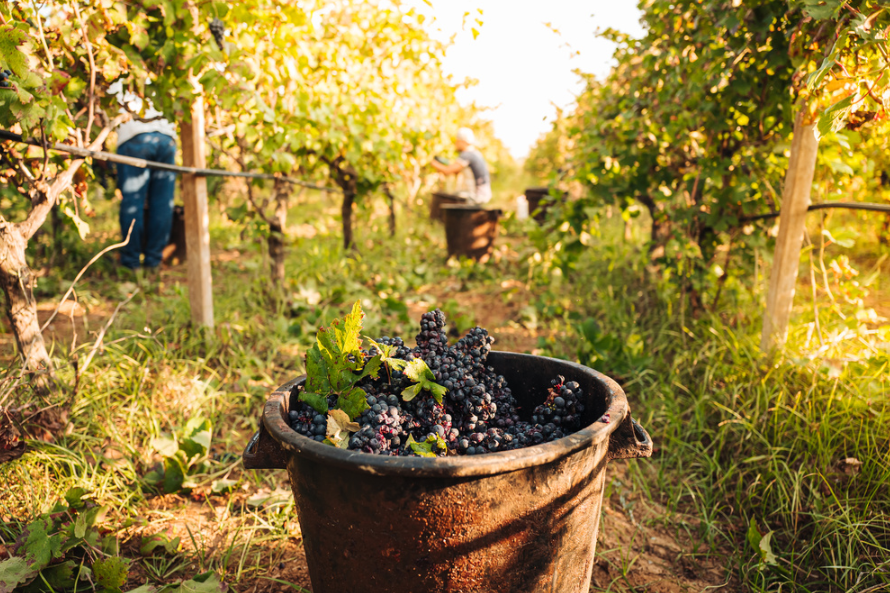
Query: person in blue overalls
{"x":147,"y":194}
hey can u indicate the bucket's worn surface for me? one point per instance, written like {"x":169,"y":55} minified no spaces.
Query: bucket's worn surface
{"x":515,"y":521}
{"x":470,"y":230}
{"x":439,"y":199}
{"x":538,"y":202}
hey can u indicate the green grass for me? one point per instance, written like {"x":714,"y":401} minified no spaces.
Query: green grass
{"x":744,"y":440}
{"x":740,"y":440}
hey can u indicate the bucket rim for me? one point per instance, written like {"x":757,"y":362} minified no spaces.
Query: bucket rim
{"x":489,"y":464}
{"x":473,"y":207}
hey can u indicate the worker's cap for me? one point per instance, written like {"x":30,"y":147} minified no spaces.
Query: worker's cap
{"x":466,"y":135}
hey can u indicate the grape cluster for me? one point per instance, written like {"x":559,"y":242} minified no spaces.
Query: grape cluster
{"x":218,"y":30}
{"x":563,"y":406}
{"x":432,"y":341}
{"x":477,"y":415}
{"x":308,"y":423}
{"x":4,"y":82}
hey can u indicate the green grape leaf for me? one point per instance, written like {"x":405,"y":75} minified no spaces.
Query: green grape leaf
{"x":821,"y":9}
{"x":317,"y":379}
{"x":10,"y":39}
{"x":386,"y":351}
{"x":428,"y":447}
{"x":437,"y":390}
{"x":834,"y":118}
{"x":411,"y":392}
{"x":319,"y":403}
{"x":83,"y":229}
{"x":372,"y":367}
{"x":353,"y":402}
{"x":417,"y":370}
{"x":335,"y":363}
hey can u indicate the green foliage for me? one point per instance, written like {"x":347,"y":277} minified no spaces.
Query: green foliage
{"x":424,"y":379}
{"x":65,"y":550}
{"x":690,"y":124}
{"x":361,"y":100}
{"x":335,"y":364}
{"x":597,"y":348}
{"x":694,"y":121}
{"x":184,"y":457}
{"x":459,"y":319}
{"x":111,"y":573}
{"x":428,"y":448}
{"x":60,"y":548}
{"x":386,"y":351}
{"x":844,"y":51}
{"x":159,"y":542}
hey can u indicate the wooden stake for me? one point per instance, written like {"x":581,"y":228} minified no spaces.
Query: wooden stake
{"x":786,"y":261}
{"x":197,"y":218}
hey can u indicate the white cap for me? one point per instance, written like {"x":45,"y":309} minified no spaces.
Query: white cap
{"x":466,"y":135}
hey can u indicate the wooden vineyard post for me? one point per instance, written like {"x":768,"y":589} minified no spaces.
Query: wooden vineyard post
{"x":786,"y":261}
{"x":197,"y":218}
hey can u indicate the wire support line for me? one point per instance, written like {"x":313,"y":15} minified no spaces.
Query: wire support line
{"x":870,"y":206}
{"x":145,"y":164}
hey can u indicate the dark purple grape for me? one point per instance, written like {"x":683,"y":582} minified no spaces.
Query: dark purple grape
{"x":218,"y":30}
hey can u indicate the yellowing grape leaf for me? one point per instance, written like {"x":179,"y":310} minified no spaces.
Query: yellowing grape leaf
{"x":339,"y":428}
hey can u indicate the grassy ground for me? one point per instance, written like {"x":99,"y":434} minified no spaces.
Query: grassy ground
{"x":768,"y":475}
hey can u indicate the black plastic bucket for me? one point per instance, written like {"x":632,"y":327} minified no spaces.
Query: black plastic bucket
{"x":440,"y":199}
{"x":470,"y":230}
{"x":514,"y":521}
{"x":538,"y":201}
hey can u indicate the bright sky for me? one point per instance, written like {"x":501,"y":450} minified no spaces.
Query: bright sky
{"x":522,"y":66}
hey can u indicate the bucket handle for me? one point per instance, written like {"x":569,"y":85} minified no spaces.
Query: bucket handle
{"x":263,"y":452}
{"x":630,"y":440}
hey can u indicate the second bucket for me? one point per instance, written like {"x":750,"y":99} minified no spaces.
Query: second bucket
{"x":440,"y":199}
{"x":470,"y":230}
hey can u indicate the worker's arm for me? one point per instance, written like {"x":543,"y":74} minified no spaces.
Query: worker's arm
{"x":455,"y":167}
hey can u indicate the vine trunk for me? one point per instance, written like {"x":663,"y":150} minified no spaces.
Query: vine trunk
{"x":16,"y":281}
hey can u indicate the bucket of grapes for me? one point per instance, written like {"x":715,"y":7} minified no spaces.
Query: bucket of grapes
{"x":444,"y":467}
{"x":470,"y":231}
